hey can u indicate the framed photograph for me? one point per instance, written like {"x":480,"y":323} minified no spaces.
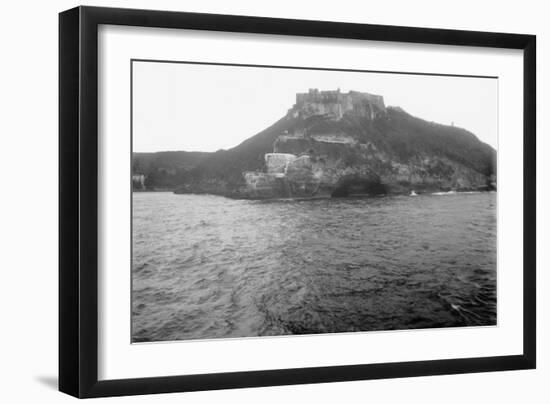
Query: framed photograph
{"x":251,"y":201}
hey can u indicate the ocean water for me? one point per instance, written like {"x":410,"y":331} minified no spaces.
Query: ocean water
{"x":211,"y":267}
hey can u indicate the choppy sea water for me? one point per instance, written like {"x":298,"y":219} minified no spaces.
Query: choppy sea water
{"x":211,"y":267}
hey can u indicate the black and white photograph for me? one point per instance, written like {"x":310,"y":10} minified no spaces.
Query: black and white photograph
{"x":272,"y":201}
{"x":275,"y":202}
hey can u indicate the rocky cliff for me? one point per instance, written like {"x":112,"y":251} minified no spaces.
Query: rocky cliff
{"x":339,"y":144}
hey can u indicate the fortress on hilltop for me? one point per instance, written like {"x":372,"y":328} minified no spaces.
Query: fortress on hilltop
{"x":336,"y":144}
{"x":335,"y":104}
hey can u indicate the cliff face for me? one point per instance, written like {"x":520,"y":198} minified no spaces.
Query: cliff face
{"x":338,"y":144}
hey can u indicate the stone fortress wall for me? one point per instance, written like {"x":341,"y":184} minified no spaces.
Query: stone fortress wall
{"x":335,"y":104}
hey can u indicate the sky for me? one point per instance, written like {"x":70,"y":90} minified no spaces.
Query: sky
{"x":178,"y":106}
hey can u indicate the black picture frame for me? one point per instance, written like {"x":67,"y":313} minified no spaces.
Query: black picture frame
{"x":78,"y":201}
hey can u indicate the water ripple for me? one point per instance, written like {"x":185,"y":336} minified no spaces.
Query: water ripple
{"x":210,"y":267}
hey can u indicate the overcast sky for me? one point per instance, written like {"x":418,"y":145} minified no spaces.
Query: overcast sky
{"x":207,"y":108}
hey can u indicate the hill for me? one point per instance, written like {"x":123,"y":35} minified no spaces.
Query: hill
{"x":337,"y":144}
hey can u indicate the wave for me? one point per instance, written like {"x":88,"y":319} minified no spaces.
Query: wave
{"x":207,"y":267}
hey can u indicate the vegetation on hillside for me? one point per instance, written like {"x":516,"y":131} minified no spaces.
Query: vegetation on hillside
{"x":397,"y":133}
